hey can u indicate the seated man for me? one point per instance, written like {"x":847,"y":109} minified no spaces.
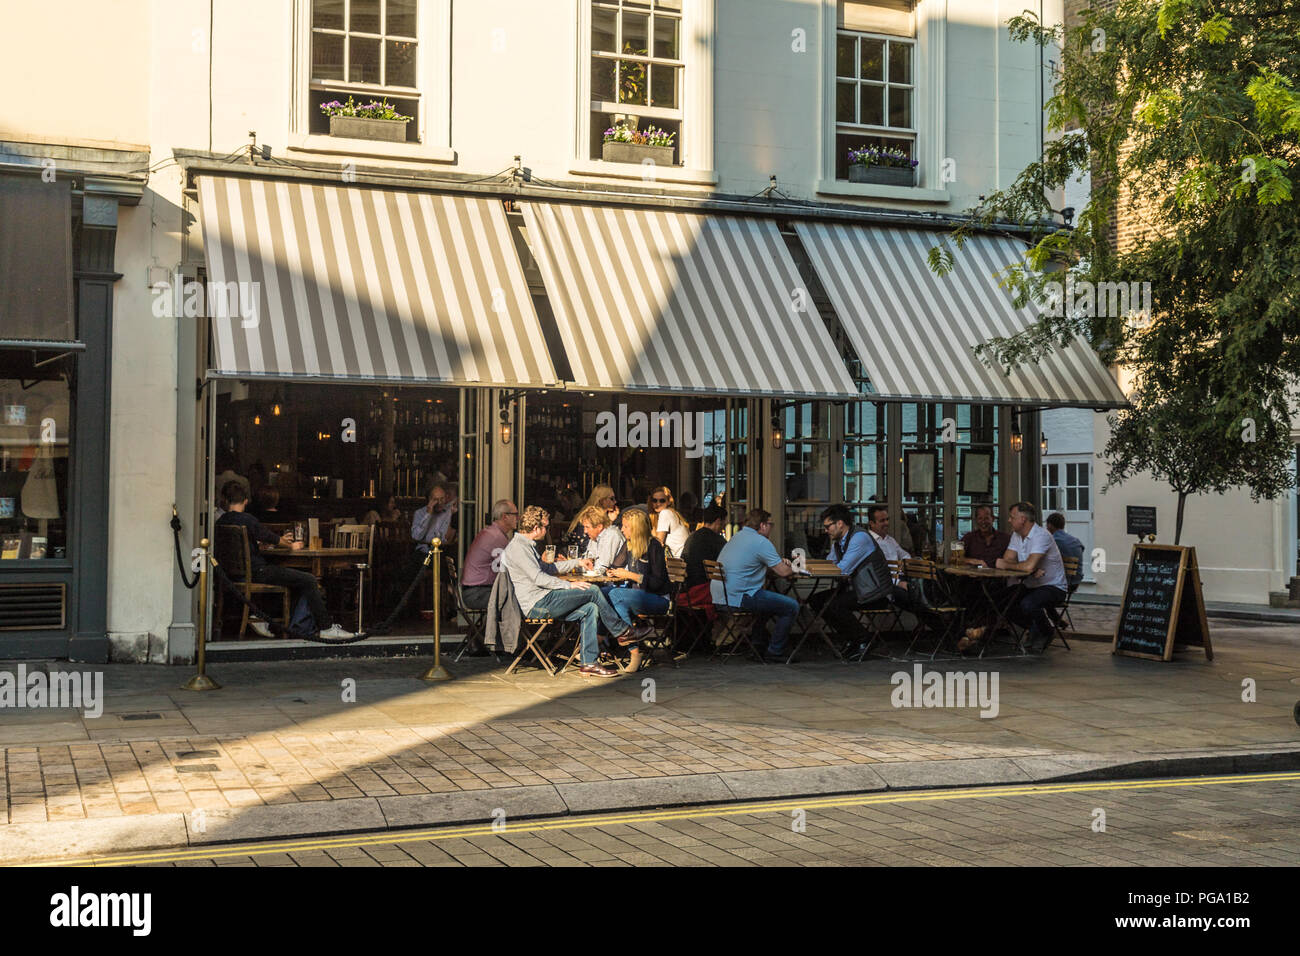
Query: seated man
{"x":984,"y":544}
{"x":705,"y":544}
{"x":483,"y":557}
{"x":878,"y":525}
{"x":605,"y":543}
{"x":434,"y":519}
{"x":541,"y":593}
{"x":1071,"y":547}
{"x":746,"y":559}
{"x":1031,"y":549}
{"x":302,"y":583}
{"x":858,"y":554}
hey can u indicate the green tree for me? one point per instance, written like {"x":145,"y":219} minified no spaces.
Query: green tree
{"x":1169,"y":436}
{"x":1191,"y":106}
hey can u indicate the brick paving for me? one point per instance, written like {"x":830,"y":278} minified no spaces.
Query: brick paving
{"x":281,"y":733}
{"x":1221,"y":824}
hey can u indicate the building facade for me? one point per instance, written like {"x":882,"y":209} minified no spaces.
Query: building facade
{"x":472,"y":287}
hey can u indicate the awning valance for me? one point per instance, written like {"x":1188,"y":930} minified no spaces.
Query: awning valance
{"x":354,"y":283}
{"x":914,"y":330}
{"x":654,"y":300}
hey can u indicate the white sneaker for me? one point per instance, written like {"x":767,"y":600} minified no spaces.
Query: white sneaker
{"x":261,"y":628}
{"x":334,"y":632}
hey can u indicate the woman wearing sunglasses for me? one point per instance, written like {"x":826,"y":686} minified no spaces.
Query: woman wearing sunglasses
{"x":670,"y":528}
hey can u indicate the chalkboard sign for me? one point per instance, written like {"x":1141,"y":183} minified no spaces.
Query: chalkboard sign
{"x":1141,"y":519}
{"x":1163,"y":605}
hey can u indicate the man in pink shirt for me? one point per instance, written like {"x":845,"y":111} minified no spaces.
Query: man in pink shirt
{"x":482,"y":560}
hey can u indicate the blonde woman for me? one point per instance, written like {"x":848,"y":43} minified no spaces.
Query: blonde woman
{"x":670,"y":528}
{"x":646,"y":573}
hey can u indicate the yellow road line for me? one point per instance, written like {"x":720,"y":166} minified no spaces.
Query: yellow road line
{"x":219,"y":851}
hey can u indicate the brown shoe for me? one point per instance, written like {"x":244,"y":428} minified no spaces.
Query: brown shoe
{"x":595,"y":670}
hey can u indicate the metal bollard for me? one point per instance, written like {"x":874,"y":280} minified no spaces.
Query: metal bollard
{"x":201,"y":681}
{"x":437,"y":671}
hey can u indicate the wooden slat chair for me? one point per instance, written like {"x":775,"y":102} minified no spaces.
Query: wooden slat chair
{"x":234,"y":555}
{"x":885,"y":613}
{"x":475,"y":618}
{"x":540,"y":638}
{"x":939,"y":610}
{"x":665,"y":625}
{"x":736,"y":623}
{"x":693,"y":622}
{"x":1059,"y":615}
{"x":353,"y":536}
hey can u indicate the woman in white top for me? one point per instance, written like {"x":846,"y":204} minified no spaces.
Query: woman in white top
{"x":670,"y":527}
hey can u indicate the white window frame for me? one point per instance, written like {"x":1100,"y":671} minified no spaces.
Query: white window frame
{"x":928,"y":85}
{"x":433,"y":83}
{"x":695,"y":154}
{"x":908,"y":133}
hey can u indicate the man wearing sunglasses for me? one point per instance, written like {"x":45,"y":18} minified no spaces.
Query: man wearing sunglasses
{"x":858,"y":556}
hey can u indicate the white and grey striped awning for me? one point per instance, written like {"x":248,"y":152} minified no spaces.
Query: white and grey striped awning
{"x":914,"y":330}
{"x":654,"y":300}
{"x":359,"y":284}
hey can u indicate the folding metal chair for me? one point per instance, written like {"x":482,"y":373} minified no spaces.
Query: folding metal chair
{"x":693,"y":620}
{"x":737,"y":624}
{"x":475,"y":618}
{"x":871,"y":616}
{"x":939,"y":613}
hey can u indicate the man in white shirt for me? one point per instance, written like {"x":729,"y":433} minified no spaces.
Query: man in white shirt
{"x":1033,"y":549}
{"x":878,"y":525}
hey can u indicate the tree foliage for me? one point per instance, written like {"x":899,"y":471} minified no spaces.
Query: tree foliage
{"x":1191,"y":107}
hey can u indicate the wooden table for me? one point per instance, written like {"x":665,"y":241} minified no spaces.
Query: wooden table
{"x":315,"y":559}
{"x":1001,"y":600}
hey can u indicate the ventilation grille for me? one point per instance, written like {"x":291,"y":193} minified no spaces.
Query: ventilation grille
{"x":32,"y":607}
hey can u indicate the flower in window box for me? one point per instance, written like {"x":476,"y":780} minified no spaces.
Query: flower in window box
{"x":882,"y":166}
{"x":374,"y":120}
{"x":625,"y":143}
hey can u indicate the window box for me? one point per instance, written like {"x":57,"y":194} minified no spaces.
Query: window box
{"x":636,"y":153}
{"x":363,"y":127}
{"x":882,"y":175}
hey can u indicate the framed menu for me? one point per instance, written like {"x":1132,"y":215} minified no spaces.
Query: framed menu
{"x":976,"y":472}
{"x":919,"y":472}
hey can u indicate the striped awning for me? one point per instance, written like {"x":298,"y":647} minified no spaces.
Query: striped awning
{"x":653,"y":300}
{"x":350,"y":283}
{"x":914,"y":330}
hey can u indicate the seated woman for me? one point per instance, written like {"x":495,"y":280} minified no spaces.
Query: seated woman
{"x":383,"y":508}
{"x":646,"y":571}
{"x":670,"y":528}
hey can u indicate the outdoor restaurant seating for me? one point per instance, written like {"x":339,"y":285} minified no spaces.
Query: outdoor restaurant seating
{"x":474,"y":617}
{"x":938,"y":613}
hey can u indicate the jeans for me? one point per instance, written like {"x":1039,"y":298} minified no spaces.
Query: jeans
{"x":1030,"y":610}
{"x":303,"y":584}
{"x":779,"y":606}
{"x":840,"y":605}
{"x":629,"y":602}
{"x":476,"y":597}
{"x":587,"y":606}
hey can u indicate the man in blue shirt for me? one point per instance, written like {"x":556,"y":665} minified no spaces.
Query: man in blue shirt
{"x":1070,"y":546}
{"x":746,"y":559}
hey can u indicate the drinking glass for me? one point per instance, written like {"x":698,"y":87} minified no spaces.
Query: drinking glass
{"x":573,"y":552}
{"x":549,"y":554}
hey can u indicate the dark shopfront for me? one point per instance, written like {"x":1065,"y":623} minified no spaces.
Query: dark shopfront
{"x":56,"y":298}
